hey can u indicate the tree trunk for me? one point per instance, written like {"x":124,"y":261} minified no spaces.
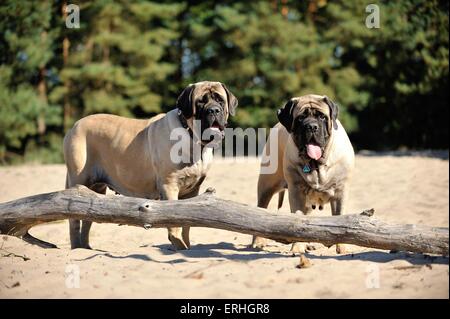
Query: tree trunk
{"x":206,"y":210}
{"x":284,"y":8}
{"x":66,"y":47}
{"x":42,"y":89}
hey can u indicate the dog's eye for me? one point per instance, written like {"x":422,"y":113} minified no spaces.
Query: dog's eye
{"x":218,"y":99}
{"x":322,"y":117}
{"x":202,"y":101}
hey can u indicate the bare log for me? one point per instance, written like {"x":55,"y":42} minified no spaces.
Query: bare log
{"x":207,"y":210}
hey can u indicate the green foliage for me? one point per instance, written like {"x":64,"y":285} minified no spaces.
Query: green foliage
{"x":404,"y":65}
{"x":133,"y":58}
{"x":269,"y":58}
{"x":121,"y":64}
{"x":26,"y":46}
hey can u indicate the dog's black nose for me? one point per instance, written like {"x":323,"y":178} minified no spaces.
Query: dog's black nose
{"x":313,"y":127}
{"x":214,"y":110}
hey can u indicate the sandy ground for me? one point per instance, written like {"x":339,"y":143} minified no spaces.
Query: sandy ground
{"x":129,"y":262}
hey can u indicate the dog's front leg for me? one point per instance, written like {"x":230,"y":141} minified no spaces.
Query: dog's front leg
{"x":170,"y":192}
{"x":74,"y":227}
{"x":337,"y":207}
{"x":186,"y":229}
{"x":297,"y":203}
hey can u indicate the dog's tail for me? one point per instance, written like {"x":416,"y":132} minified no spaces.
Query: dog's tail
{"x":280,"y":198}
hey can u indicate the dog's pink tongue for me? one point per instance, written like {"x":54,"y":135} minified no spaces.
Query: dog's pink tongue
{"x":313,"y":151}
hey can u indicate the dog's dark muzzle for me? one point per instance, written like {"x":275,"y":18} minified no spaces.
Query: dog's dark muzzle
{"x":213,"y":123}
{"x":214,"y":110}
{"x":311,"y":131}
{"x":214,"y":117}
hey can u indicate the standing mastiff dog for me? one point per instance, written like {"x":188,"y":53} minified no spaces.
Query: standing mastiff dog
{"x":315,"y":159}
{"x":133,"y":157}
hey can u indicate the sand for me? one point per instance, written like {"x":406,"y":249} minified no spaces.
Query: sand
{"x":129,"y":262}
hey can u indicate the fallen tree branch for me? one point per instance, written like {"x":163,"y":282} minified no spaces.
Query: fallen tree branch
{"x":206,"y":210}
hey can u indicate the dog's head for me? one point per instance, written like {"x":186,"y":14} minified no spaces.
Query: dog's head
{"x":310,"y":119}
{"x":209,"y":102}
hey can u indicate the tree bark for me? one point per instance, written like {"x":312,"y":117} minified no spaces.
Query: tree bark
{"x":66,"y":47}
{"x":206,"y":210}
{"x":42,"y":89}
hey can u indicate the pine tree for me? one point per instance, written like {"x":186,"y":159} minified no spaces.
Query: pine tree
{"x":116,"y":57}
{"x":132,"y":58}
{"x":404,"y":65}
{"x":268,"y":52}
{"x":26,"y":46}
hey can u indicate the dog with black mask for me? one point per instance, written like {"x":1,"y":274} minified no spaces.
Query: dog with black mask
{"x":315,"y":159}
{"x":134,"y":156}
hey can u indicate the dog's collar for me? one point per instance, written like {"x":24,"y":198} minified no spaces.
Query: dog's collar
{"x":310,"y":166}
{"x":185,"y":125}
{"x":183,"y":121}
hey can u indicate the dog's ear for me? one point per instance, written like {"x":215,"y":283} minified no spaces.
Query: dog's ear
{"x":184,"y":101}
{"x":232,"y":100}
{"x":285,"y":115}
{"x":334,"y":110}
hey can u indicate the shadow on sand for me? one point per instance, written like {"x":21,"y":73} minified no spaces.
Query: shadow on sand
{"x":247,"y":254}
{"x":384,"y":257}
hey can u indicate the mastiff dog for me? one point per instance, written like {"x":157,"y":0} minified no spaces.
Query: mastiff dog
{"x":134,"y":157}
{"x":315,"y":159}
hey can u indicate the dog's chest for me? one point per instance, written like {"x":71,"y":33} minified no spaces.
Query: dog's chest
{"x":319,"y":181}
{"x":193,"y":175}
{"x":189,"y":177}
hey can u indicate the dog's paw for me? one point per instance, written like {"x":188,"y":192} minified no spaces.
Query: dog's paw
{"x":258,"y":243}
{"x":340,"y":249}
{"x":298,"y":248}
